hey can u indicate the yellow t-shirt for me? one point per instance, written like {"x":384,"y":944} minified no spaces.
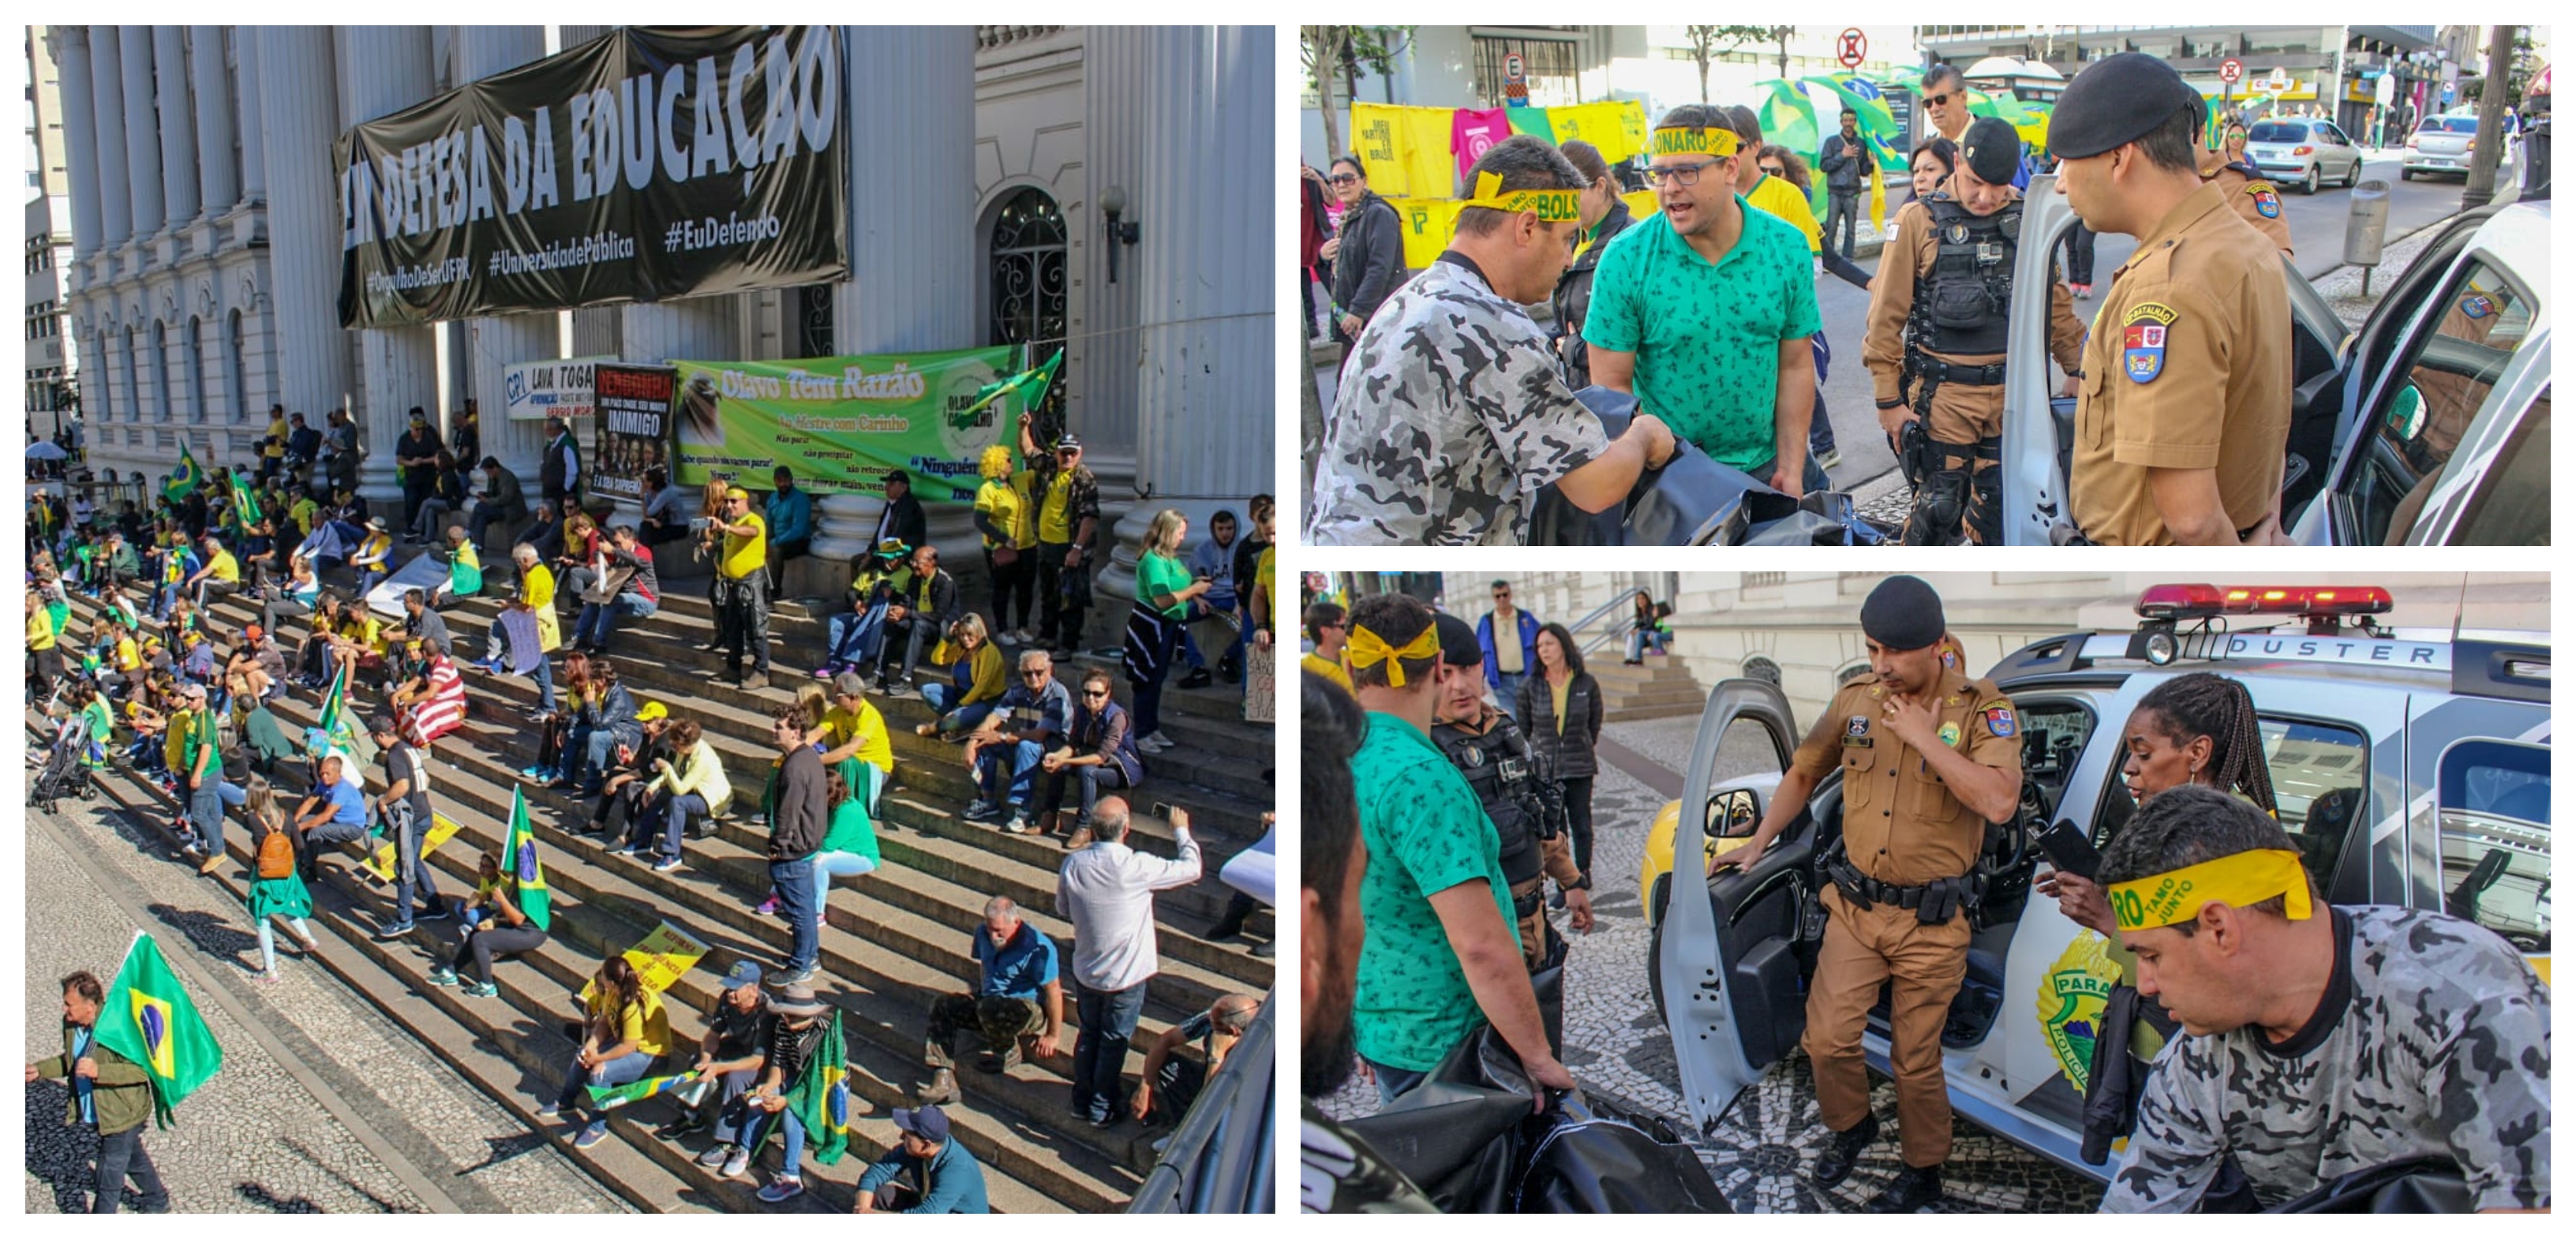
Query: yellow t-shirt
{"x":1782,"y":199}
{"x":1007,"y":505}
{"x":277,"y":430}
{"x":1055,"y":516}
{"x":40,"y":630}
{"x":1329,"y":668}
{"x":749,"y":553}
{"x":876,"y":748}
{"x":227,"y":568}
{"x":127,"y":657}
{"x":174,"y":738}
{"x":644,"y":1023}
{"x":302,"y":514}
{"x":1263,"y":579}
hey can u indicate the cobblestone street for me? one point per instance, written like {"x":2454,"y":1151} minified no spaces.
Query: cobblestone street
{"x":1618,"y":1048}
{"x":326,"y":1108}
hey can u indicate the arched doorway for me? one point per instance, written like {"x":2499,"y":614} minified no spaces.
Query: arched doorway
{"x":1026,"y":283}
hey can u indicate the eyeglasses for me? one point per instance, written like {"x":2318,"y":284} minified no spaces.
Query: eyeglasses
{"x":1684,"y":175}
{"x":1095,"y":694}
{"x":1772,"y":169}
{"x":1344,"y":178}
{"x":1943,"y":97}
{"x":1033,"y":675}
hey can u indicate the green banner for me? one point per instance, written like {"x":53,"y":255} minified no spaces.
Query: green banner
{"x":841,"y":422}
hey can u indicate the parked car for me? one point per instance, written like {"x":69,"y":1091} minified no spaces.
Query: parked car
{"x":2303,"y":153}
{"x":2411,"y":767}
{"x":2442,"y":145}
{"x":2428,"y":426}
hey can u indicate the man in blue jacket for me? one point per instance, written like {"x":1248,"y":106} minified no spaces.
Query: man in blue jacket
{"x":790,"y":513}
{"x":926,"y":1172}
{"x":1512,"y":659}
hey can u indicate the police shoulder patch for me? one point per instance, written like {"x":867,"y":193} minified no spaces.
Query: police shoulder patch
{"x":2267,"y":203}
{"x":2142,"y":340}
{"x":2000,"y":721}
{"x":2476,"y":305}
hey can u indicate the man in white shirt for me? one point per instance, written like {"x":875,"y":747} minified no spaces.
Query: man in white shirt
{"x":1107,"y":891}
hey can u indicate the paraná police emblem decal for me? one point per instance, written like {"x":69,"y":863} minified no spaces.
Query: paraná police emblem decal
{"x":2000,"y":721}
{"x":2266,"y":203}
{"x":2476,"y":305}
{"x":2142,"y":341}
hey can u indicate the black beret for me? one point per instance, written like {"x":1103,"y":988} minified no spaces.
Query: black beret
{"x":1992,"y":149}
{"x":1903,"y":614}
{"x":1458,"y":646}
{"x":2114,"y":100}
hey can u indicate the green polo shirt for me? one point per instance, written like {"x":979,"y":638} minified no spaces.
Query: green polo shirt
{"x":1425,"y":833}
{"x":1707,"y":337}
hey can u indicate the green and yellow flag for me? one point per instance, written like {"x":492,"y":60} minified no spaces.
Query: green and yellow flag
{"x":245,"y":505}
{"x":184,"y":478}
{"x":337,"y":730}
{"x":1030,"y":385}
{"x":148,"y":1018}
{"x":820,"y":1098}
{"x":521,"y":862}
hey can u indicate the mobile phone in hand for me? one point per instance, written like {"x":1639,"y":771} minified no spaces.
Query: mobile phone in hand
{"x":2068,"y":849}
{"x":1163,"y":810}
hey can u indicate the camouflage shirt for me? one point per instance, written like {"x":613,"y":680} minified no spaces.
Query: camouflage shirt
{"x":2432,"y":1040}
{"x":1450,"y":416}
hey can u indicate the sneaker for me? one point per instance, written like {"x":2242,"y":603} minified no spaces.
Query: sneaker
{"x":1830,"y":458}
{"x":789,"y":976}
{"x":685,"y":1124}
{"x":757,"y":679}
{"x":736,"y":1163}
{"x":1265,"y":950}
{"x":666,"y":864}
{"x":213,"y":863}
{"x":1019,"y":823}
{"x":387,"y":933}
{"x":824,"y":673}
{"x":781,"y":1190}
{"x":983,"y":810}
{"x":593,"y":1134}
{"x":442,"y":975}
{"x":434,"y":911}
{"x":897,"y":688}
{"x":268,"y":975}
{"x":482,"y":989}
{"x":715,"y":1157}
{"x":1197,"y":678}
{"x":550,"y":1111}
{"x":769,"y":906}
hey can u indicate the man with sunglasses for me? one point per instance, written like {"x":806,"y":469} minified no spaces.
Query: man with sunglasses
{"x":1938,"y":325}
{"x":1451,"y":414}
{"x":1707,"y":317}
{"x":1005,"y":750}
{"x":1068,"y":517}
{"x":742,"y":588}
{"x":1945,"y":105}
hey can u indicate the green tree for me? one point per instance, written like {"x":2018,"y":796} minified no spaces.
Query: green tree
{"x":1335,"y":54}
{"x":1707,"y":41}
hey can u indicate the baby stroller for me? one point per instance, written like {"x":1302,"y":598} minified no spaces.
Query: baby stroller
{"x":65,"y":771}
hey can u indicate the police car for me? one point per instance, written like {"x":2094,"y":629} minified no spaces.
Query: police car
{"x":2429,"y":426}
{"x":2410,"y":768}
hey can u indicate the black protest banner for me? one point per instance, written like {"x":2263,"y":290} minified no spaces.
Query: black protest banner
{"x":652,"y":162}
{"x":631,"y":425}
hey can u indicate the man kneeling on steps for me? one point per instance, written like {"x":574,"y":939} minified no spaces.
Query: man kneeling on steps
{"x":1017,"y":992}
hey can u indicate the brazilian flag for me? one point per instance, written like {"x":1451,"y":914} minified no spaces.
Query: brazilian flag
{"x":245,"y":505}
{"x":1031,"y":386}
{"x":184,"y":478}
{"x":521,"y":862}
{"x":148,"y":1018}
{"x":820,"y":1098}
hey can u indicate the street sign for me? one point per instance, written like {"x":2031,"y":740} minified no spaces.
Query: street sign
{"x":2385,"y":90}
{"x":1853,"y":47}
{"x":2231,"y":70}
{"x":1515,"y":81}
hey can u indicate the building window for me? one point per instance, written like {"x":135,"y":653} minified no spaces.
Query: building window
{"x":196,"y":370}
{"x":1547,"y":66}
{"x":813,"y":327}
{"x":1763,"y":669}
{"x":1027,"y":283}
{"x":133,"y":392}
{"x":240,"y":389}
{"x":161,"y":372}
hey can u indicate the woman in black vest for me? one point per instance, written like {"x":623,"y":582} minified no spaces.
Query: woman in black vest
{"x":1368,"y":255}
{"x":1560,"y":708}
{"x":1605,"y":215}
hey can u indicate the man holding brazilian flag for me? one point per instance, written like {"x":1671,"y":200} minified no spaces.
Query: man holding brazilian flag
{"x":2323,"y":1039}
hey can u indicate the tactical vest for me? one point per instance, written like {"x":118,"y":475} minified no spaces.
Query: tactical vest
{"x":1964,"y":306}
{"x":1499,"y":766}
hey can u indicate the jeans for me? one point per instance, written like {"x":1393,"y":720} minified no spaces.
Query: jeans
{"x":412,"y":873}
{"x":2079,"y":255}
{"x":1842,"y":221}
{"x":597,"y":621}
{"x":279,"y":605}
{"x":917,"y":630}
{"x":1148,"y":701}
{"x":1106,"y":1019}
{"x":785,"y":1119}
{"x":1641,"y":638}
{"x":1507,"y":693}
{"x":1004,"y":770}
{"x":732,"y":1112}
{"x":855,"y":637}
{"x":425,"y":523}
{"x":794,"y":882}
{"x":671,"y":815}
{"x":328,"y":834}
{"x":1394,"y":1082}
{"x":268,"y":939}
{"x":609,"y":1074}
{"x":1092,"y":779}
{"x":1812,"y":478}
{"x":206,"y":813}
{"x":595,"y":744}
{"x":487,"y":515}
{"x":828,"y":865}
{"x":120,"y":1157}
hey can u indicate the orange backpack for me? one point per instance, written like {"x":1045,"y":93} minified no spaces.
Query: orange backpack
{"x":276,"y":856}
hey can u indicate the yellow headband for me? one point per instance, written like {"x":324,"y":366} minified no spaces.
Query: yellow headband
{"x":1718,"y":142}
{"x":1367,"y":649}
{"x":1551,"y":205}
{"x":2238,"y":880}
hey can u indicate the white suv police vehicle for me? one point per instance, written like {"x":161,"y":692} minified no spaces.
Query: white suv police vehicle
{"x":2411,"y":768}
{"x":2429,"y":426}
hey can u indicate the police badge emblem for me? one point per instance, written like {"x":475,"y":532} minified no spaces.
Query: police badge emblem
{"x":2266,"y":203}
{"x":1856,"y":732}
{"x":1949,"y":733}
{"x":2477,"y":305}
{"x":2142,"y":340}
{"x":1957,"y":234}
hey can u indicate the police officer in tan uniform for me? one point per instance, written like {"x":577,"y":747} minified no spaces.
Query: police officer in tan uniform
{"x":1929,"y":757}
{"x":2182,"y":430}
{"x":2247,"y":192}
{"x":1937,"y":336}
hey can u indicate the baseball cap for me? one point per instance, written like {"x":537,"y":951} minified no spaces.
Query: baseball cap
{"x":929,"y":1122}
{"x":744,"y":973}
{"x":1067,"y":441}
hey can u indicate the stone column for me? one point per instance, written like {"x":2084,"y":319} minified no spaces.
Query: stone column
{"x":388,"y":69}
{"x":913,"y":274}
{"x":214,"y":116}
{"x":70,"y":46}
{"x":254,"y":144}
{"x":142,"y":137}
{"x":299,"y":115}
{"x":175,"y":96}
{"x":504,"y":340}
{"x":107,"y":107}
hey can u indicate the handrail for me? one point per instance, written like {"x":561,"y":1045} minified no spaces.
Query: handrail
{"x":1603,"y":637}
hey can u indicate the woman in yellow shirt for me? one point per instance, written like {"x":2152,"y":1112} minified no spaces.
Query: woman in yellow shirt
{"x":1008,"y":519}
{"x":627,"y":1034}
{"x":977,"y":679}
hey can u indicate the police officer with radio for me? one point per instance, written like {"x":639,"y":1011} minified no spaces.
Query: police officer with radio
{"x":1938,"y":332}
{"x":1929,"y":757}
{"x":1520,"y":796}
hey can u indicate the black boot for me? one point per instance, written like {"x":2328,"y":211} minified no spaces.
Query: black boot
{"x":1913,"y":1188}
{"x":1844,"y":1152}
